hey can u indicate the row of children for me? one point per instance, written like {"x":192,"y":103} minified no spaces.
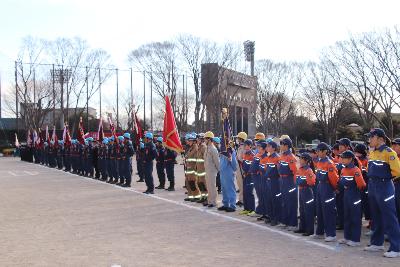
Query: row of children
{"x":336,"y":188}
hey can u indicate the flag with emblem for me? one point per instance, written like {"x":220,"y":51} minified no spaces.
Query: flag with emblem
{"x":81,"y":132}
{"x":226,"y":133}
{"x":170,"y":133}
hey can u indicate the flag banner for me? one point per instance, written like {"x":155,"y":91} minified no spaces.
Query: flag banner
{"x":137,"y":129}
{"x":81,"y":133}
{"x":226,"y":133}
{"x":170,"y":133}
{"x":100,"y":132}
{"x":16,"y":140}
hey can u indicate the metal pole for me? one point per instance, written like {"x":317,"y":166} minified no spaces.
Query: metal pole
{"x":87,"y":98}
{"x":100,"y":90}
{"x":186,"y":102}
{"x":151,"y":101}
{"x":68,"y":74}
{"x":62,"y":96}
{"x":54,"y":97}
{"x":34,"y":97}
{"x":116,"y":72}
{"x":144,"y":100}
{"x":183,"y":102}
{"x":16,"y":95}
{"x":131,"y":72}
{"x":0,"y":95}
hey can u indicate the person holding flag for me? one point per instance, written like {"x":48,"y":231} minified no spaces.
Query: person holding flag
{"x":171,"y":142}
{"x":228,"y":167}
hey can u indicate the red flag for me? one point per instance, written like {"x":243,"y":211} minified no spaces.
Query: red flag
{"x":16,"y":140}
{"x":170,"y":133}
{"x":54,"y":137}
{"x":137,"y":129}
{"x":47,"y":135}
{"x":81,"y":133}
{"x":66,"y":136}
{"x":100,"y":132}
{"x":113,"y":133}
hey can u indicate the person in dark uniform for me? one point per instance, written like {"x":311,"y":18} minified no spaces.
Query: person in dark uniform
{"x":52,"y":154}
{"x":96,"y":160}
{"x":60,"y":154}
{"x":67,"y":157}
{"x":113,"y":169}
{"x":127,"y":160}
{"x":103,"y":161}
{"x":170,"y":161}
{"x":160,"y":163}
{"x":89,"y":157}
{"x":120,"y":159}
{"x":139,"y":161}
{"x":148,"y":157}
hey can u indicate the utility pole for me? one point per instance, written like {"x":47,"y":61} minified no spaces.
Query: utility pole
{"x":0,"y":95}
{"x":16,"y":95}
{"x":144,"y":100}
{"x":151,"y":101}
{"x":116,"y":72}
{"x":100,"y":91}
{"x":87,"y":98}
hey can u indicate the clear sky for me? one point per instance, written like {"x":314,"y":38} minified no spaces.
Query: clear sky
{"x":283,"y":30}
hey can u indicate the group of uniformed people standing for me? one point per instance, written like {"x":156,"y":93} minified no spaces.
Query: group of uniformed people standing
{"x":335,"y":186}
{"x":110,"y":160}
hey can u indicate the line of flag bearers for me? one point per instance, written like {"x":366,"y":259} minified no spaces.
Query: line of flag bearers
{"x":332,"y":190}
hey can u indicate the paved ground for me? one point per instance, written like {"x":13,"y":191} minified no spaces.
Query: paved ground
{"x":52,"y":218}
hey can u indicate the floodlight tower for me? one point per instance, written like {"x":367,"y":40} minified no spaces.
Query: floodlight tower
{"x":249,"y":48}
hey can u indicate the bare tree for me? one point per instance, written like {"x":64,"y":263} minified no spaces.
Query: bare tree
{"x":322,"y":97}
{"x":195,"y":52}
{"x":277,"y":83}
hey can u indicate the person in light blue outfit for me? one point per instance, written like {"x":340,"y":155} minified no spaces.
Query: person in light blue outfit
{"x":228,"y":166}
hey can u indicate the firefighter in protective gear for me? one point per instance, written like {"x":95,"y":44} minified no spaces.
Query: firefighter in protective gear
{"x":241,"y":137}
{"x":200,"y":170}
{"x":190,"y":168}
{"x":211,"y":165}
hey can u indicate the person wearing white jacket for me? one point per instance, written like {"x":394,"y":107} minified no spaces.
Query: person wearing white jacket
{"x":211,"y":164}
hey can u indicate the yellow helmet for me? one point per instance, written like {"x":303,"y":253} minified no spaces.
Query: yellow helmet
{"x":259,"y":136}
{"x":209,"y":134}
{"x":242,"y":135}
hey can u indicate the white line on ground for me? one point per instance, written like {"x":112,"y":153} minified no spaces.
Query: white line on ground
{"x":208,"y":211}
{"x":12,"y":173}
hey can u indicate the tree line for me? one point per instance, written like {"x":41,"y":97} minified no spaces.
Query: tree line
{"x":355,"y":81}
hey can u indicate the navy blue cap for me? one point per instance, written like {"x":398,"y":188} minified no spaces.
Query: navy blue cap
{"x":396,"y":141}
{"x":348,"y":154}
{"x":322,"y":146}
{"x":336,"y":146}
{"x":262,"y":143}
{"x":286,"y":142}
{"x":376,"y":132}
{"x":305,"y":156}
{"x":273,"y":144}
{"x":344,"y":142}
{"x":248,"y":142}
{"x":361,"y":148}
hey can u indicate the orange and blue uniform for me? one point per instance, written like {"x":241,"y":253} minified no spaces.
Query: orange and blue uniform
{"x":327,"y":178}
{"x":364,"y":193}
{"x":256,"y":175}
{"x":248,"y":184}
{"x":265,"y":194}
{"x":272,"y":175}
{"x":287,"y":171}
{"x":383,"y":165}
{"x":305,"y":179}
{"x":352,"y":181}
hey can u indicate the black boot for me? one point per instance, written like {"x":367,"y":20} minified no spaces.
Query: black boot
{"x":171,"y":186}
